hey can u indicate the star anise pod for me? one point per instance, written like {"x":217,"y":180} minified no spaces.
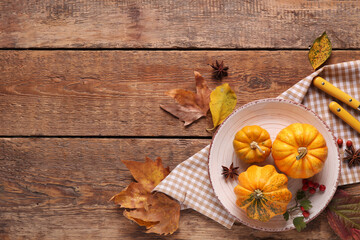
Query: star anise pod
{"x":352,"y":156}
{"x":219,"y":70}
{"x":230,"y":172}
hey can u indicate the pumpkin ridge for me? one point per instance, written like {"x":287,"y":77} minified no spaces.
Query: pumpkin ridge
{"x":297,"y":143}
{"x":277,"y":185}
{"x":321,"y":139}
{"x":245,"y":203}
{"x":291,"y":153}
{"x":317,"y":159}
{"x":291,"y":133}
{"x":268,"y":181}
{"x":278,"y":202}
{"x":248,"y":204}
{"x":270,"y":210}
{"x":312,"y":140}
{"x":278,"y":189}
{"x":309,"y":152}
{"x":250,"y":136}
{"x":285,"y":194}
{"x":307,"y":129}
{"x":250,"y":183}
{"x":310,"y":164}
{"x":259,"y":206}
{"x":280,"y":140}
{"x":290,"y":165}
{"x":263,"y":135}
{"x":267,"y":209}
{"x":252,"y":208}
{"x":246,"y":190}
{"x":270,"y":200}
{"x":311,"y":148}
{"x":247,"y":137}
{"x":249,"y":152}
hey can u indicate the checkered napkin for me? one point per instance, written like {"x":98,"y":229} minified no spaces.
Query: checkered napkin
{"x":189,"y":182}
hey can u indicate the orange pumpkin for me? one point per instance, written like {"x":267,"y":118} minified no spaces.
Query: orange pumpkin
{"x":252,"y":144}
{"x":262,"y":192}
{"x":299,"y":150}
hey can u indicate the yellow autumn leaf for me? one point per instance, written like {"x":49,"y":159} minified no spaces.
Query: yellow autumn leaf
{"x":320,"y":51}
{"x":222,"y":103}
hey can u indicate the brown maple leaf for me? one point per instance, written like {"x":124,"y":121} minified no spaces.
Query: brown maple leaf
{"x":162,"y":217}
{"x":148,"y":173}
{"x":190,"y":106}
{"x":156,"y":211}
{"x":134,"y":196}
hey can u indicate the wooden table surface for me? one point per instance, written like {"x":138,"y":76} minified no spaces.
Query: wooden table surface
{"x":80,"y":88}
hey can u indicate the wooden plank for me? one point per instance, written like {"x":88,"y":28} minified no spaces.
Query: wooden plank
{"x":117,"y":93}
{"x":107,"y":222}
{"x":58,"y":188}
{"x":172,"y":24}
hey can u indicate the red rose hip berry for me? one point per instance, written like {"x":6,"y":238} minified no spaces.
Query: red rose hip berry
{"x":322,"y":187}
{"x":339,"y":142}
{"x":349,"y":143}
{"x":306,"y":214}
{"x":311,"y":184}
{"x":305,"y":188}
{"x":312,"y":190}
{"x":302,"y":208}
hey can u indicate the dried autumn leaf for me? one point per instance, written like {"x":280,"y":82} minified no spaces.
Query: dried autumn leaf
{"x":320,"y":51}
{"x":222,"y":103}
{"x":149,"y":173}
{"x":190,"y":106}
{"x":343,"y":214}
{"x":134,"y":196}
{"x":162,"y":217}
{"x":155,"y":211}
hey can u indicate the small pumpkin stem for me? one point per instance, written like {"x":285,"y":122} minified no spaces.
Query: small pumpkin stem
{"x":302,"y":153}
{"x":258,"y":194}
{"x":254,"y":145}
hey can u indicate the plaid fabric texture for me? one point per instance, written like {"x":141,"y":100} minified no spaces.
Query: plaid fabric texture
{"x":189,"y":182}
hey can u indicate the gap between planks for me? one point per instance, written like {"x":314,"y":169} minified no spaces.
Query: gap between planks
{"x":110,"y":137}
{"x":172,"y":49}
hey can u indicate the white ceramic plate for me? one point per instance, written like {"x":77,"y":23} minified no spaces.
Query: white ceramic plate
{"x":272,"y":115}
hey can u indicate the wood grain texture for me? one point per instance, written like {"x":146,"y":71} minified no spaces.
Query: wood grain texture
{"x":177,"y":24}
{"x":58,"y":188}
{"x":117,"y":93}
